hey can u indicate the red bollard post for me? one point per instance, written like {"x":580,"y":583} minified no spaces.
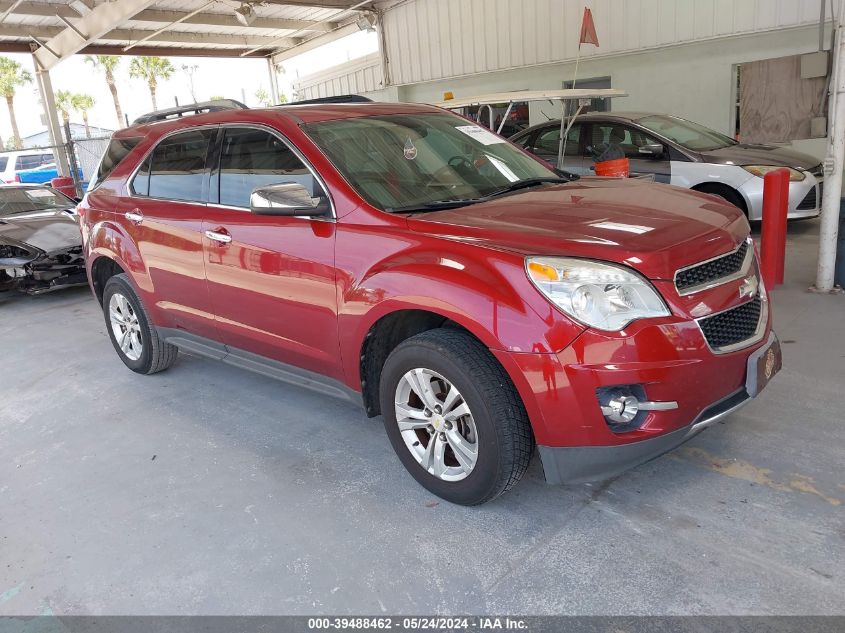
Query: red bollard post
{"x":773,"y":233}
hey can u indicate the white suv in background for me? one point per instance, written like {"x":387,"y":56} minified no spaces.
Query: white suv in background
{"x":13,"y":162}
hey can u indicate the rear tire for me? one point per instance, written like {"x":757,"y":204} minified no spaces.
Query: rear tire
{"x":135,"y":340}
{"x":469,"y":414}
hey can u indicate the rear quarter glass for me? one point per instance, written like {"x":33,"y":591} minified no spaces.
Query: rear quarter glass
{"x":117,"y":150}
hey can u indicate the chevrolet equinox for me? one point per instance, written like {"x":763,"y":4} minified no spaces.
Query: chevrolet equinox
{"x":399,"y":255}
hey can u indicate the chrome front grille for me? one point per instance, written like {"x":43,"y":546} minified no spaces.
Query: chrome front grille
{"x":716,"y":271}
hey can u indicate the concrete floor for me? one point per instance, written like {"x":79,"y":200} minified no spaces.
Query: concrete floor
{"x":209,"y":490}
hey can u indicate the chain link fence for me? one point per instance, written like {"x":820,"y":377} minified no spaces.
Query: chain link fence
{"x":81,"y":154}
{"x":88,"y":152}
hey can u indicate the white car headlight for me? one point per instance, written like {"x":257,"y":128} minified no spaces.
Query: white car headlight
{"x":603,"y":296}
{"x":762,"y":170}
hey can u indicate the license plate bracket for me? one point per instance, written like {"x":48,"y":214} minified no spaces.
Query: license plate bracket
{"x":763,"y":365}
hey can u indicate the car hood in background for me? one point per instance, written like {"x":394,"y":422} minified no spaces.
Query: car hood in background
{"x":744,"y":154}
{"x":48,"y":231}
{"x":653,"y":228}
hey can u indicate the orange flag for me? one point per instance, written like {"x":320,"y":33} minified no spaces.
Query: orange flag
{"x":588,"y":29}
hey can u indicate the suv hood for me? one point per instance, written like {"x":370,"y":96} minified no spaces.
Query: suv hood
{"x":745,"y":154}
{"x":48,"y":231}
{"x":655,"y":229}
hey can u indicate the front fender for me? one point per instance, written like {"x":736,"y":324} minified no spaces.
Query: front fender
{"x":485,"y":291}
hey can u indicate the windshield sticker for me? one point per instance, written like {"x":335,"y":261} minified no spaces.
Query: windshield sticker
{"x":39,"y":193}
{"x":410,"y":150}
{"x":502,"y":168}
{"x":480,"y":134}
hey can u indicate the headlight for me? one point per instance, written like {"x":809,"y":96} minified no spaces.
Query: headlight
{"x":762,"y":170}
{"x":602,"y":296}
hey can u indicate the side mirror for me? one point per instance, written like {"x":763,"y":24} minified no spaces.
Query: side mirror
{"x":655,"y":150}
{"x":287,"y":198}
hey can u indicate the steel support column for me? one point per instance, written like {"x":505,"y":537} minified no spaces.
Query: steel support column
{"x":48,"y":101}
{"x":834,"y":162}
{"x":274,"y":81}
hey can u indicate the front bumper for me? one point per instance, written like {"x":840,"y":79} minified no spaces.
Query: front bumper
{"x":805,"y":198}
{"x":579,"y":464}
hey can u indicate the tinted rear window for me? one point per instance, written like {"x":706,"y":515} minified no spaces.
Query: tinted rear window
{"x":176,"y":168}
{"x":4,"y":160}
{"x":117,"y":150}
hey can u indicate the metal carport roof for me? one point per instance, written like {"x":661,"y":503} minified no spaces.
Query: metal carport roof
{"x":54,"y":29}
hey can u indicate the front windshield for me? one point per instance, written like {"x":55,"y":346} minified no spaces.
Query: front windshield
{"x":401,"y":162}
{"x":686,"y":133}
{"x":19,"y":200}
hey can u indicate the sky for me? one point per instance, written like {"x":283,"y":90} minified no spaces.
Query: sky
{"x":232,"y":78}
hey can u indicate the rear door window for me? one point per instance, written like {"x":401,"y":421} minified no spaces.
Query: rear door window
{"x":176,"y":168}
{"x":548,"y":141}
{"x":628,"y":138}
{"x":252,"y":158}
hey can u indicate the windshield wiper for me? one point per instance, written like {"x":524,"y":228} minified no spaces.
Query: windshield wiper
{"x":528,"y":182}
{"x":456,"y":203}
{"x":437,"y":205}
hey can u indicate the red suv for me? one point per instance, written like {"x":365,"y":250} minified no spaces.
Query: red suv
{"x":402,"y":256}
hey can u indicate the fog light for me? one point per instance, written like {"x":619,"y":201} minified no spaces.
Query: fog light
{"x":626,"y":407}
{"x":621,"y":409}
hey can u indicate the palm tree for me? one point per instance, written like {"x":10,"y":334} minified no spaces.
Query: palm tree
{"x":263,"y":97}
{"x":83,"y":103}
{"x":151,"y":69}
{"x":65,"y":104}
{"x":190,"y":70}
{"x":11,"y":77}
{"x":109,"y":63}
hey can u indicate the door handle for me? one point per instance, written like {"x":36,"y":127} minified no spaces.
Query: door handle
{"x":222,"y":238}
{"x":134,"y":216}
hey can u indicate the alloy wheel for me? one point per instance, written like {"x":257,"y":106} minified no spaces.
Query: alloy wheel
{"x":125,"y":326}
{"x":436,"y":424}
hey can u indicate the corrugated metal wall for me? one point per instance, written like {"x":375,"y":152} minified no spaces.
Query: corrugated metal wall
{"x":437,"y":39}
{"x":355,"y":77}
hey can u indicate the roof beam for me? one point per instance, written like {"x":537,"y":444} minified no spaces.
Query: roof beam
{"x":47,"y":33}
{"x":222,"y":19}
{"x":331,"y":35}
{"x":164,"y":51}
{"x":314,"y":42}
{"x":317,"y":4}
{"x":102,"y":18}
{"x":167,"y":17}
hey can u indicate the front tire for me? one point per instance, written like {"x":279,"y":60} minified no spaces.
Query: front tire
{"x":725,"y":193}
{"x":136,"y":342}
{"x":454,"y":417}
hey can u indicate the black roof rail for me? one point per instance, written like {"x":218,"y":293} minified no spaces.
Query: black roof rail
{"x":335,"y":99}
{"x":193,"y":108}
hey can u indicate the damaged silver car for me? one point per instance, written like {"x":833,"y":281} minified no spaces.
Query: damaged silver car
{"x":40,"y":242}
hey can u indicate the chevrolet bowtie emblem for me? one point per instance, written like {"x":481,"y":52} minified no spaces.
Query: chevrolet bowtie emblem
{"x":749,"y":287}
